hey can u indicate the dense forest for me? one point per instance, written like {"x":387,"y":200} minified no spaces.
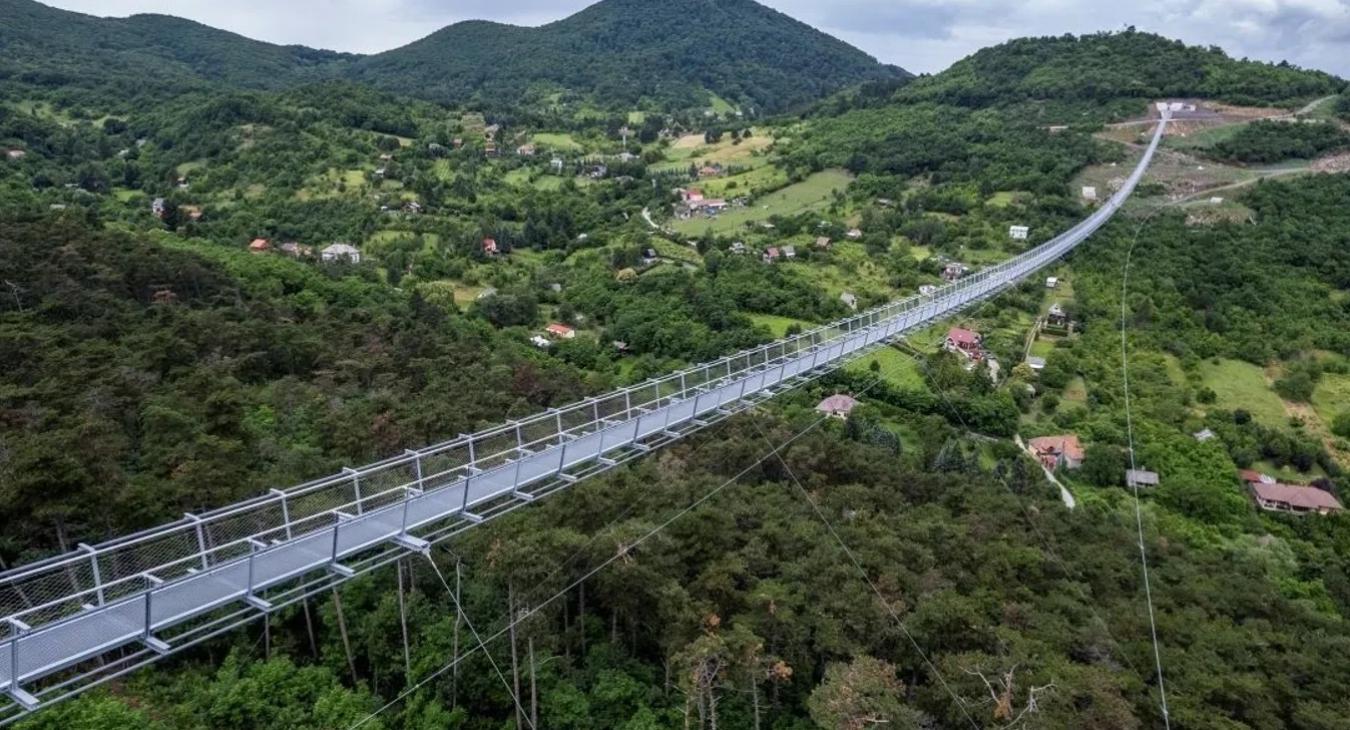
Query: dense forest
{"x":909,"y":566}
{"x":1265,"y":142}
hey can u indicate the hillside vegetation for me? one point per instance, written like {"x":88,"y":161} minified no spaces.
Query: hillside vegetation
{"x":623,"y":51}
{"x":1104,"y":67}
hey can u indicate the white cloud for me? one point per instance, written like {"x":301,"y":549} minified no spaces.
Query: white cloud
{"x":921,"y":35}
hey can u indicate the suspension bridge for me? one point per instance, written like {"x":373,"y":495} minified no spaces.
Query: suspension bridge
{"x":76,"y":620}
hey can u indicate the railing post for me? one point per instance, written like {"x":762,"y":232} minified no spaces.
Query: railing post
{"x":98,"y":575}
{"x":151,"y":582}
{"x":253,"y":546}
{"x":417,"y":465}
{"x":285,"y":511}
{"x":356,"y":485}
{"x":19,"y":628}
{"x":201,"y":538}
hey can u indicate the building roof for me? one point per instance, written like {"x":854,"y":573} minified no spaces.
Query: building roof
{"x":1036,"y":363}
{"x":837,"y":404}
{"x":259,"y":244}
{"x":1066,"y":444}
{"x":490,"y":245}
{"x":341,"y":248}
{"x":557,"y":328}
{"x":1204,"y":435}
{"x":1298,"y":497}
{"x":1142,"y":477}
{"x":961,"y":336}
{"x":823,"y":241}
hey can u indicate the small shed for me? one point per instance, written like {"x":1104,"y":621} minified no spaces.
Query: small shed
{"x":1141,"y":478}
{"x":1018,"y":233}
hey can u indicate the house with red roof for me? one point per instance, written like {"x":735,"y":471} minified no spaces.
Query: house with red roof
{"x":1054,"y":452}
{"x":837,"y":406}
{"x":966,"y":342}
{"x":559,"y":331}
{"x":771,"y":254}
{"x":490,"y":246}
{"x":260,"y":245}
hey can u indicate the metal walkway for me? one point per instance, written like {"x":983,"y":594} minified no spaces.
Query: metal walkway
{"x":79,"y":619}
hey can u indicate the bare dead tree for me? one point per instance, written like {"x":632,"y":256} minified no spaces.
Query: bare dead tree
{"x":1002,"y":695}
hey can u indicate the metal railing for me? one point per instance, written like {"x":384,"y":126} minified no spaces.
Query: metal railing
{"x":73,"y":607}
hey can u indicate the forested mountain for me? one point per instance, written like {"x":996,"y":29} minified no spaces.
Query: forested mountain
{"x":624,"y":50}
{"x":50,"y":47}
{"x":1107,"y":66}
{"x":611,"y":55}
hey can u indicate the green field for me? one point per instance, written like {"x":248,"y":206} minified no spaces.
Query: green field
{"x":1204,"y":138}
{"x":1243,"y":385}
{"x":897,"y":368}
{"x":777,"y":325}
{"x":560,"y":141}
{"x":1332,"y":397}
{"x":813,"y":193}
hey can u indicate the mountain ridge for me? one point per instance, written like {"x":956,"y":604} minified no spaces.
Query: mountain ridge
{"x":612,"y":53}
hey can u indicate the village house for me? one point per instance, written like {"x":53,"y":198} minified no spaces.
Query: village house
{"x":1057,"y":317}
{"x":490,"y":247}
{"x":526,"y":150}
{"x":1298,"y":500}
{"x":823,"y":242}
{"x":738,"y":248}
{"x":341,"y":252}
{"x":541,"y":342}
{"x":15,"y":154}
{"x":490,"y":149}
{"x":789,"y":252}
{"x":259,"y":245}
{"x":927,"y":290}
{"x":1056,"y":452}
{"x":837,"y":406}
{"x":295,"y":250}
{"x":386,"y":157}
{"x":853,"y":234}
{"x":1052,"y":282}
{"x":1018,"y":233}
{"x":1141,"y":478}
{"x":771,"y":254}
{"x":559,"y":331}
{"x":1089,"y":192}
{"x":710,"y":171}
{"x":954,"y":270}
{"x":412,"y":207}
{"x":457,"y":142}
{"x":1204,"y":435}
{"x":1037,"y":364}
{"x":159,"y":208}
{"x":849,"y":300}
{"x":964,"y":342}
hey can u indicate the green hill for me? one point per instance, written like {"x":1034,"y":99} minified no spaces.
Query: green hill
{"x":44,"y":46}
{"x":617,"y":52}
{"x":610,"y":55}
{"x":1108,"y":66}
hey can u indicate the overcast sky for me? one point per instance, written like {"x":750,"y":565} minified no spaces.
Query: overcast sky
{"x":920,"y":35}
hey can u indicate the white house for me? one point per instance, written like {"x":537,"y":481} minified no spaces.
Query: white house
{"x":1018,"y":233}
{"x":541,"y":342}
{"x":341,"y":252}
{"x":1089,"y":192}
{"x":1051,"y":282}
